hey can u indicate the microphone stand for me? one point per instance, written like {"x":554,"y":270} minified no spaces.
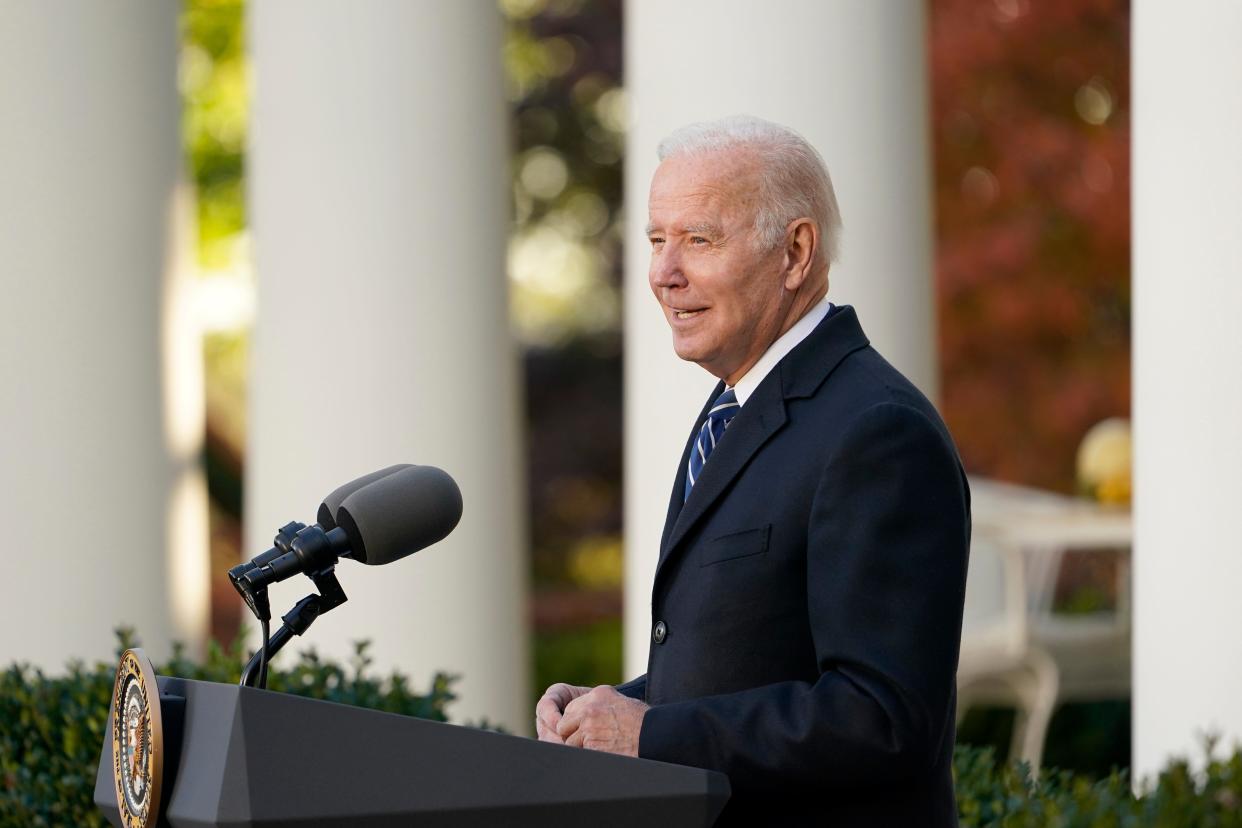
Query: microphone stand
{"x":295,"y":622}
{"x":304,"y":612}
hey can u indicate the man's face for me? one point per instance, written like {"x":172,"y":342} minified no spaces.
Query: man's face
{"x":722,"y":296}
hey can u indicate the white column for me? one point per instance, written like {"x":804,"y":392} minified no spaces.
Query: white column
{"x":1187,"y":372}
{"x":104,"y":524}
{"x":852,"y":78}
{"x":379,"y":204}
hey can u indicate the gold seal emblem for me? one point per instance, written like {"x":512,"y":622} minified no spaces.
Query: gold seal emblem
{"x":137,"y":741}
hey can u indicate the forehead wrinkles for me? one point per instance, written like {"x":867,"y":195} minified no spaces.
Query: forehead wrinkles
{"x":726,"y":193}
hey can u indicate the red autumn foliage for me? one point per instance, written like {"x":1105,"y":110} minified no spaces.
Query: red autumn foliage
{"x":1030,"y":108}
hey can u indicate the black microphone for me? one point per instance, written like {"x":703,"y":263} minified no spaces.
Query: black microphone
{"x":404,"y":512}
{"x":384,"y":520}
{"x":281,"y":544}
{"x":375,"y":519}
{"x":326,"y":516}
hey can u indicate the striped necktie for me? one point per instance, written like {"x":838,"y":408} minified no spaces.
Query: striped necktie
{"x":724,"y":409}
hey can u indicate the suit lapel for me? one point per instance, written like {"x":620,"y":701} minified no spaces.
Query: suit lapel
{"x":799,"y":374}
{"x":679,"y":479}
{"x":760,"y":418}
{"x":808,"y":365}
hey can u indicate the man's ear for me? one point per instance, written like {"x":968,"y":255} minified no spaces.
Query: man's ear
{"x":801,"y":245}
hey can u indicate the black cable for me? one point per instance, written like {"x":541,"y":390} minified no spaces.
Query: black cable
{"x":262,"y":683}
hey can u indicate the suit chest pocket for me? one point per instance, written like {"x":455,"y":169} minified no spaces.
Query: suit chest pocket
{"x":743,"y":544}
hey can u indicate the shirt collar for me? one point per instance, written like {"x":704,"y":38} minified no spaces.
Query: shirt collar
{"x":778,"y":349}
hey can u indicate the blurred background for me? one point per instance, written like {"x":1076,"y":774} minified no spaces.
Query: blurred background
{"x":251,"y":253}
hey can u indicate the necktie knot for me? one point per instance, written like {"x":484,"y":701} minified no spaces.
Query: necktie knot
{"x":722,"y":412}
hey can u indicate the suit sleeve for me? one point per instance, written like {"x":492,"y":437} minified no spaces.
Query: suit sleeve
{"x":886,"y":566}
{"x":634,"y":688}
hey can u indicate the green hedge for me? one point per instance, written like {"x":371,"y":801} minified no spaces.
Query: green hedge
{"x":1006,"y":796}
{"x":53,"y":728}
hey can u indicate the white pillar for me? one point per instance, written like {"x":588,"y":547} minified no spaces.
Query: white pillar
{"x":104,"y":523}
{"x":852,"y":78}
{"x":1187,"y":371}
{"x":379,"y":202}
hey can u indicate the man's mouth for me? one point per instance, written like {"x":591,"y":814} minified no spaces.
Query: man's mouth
{"x":686,"y":314}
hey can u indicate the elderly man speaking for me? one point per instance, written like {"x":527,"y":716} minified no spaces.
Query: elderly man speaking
{"x":807,"y":607}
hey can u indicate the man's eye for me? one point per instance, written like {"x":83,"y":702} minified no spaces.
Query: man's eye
{"x":655,"y":240}
{"x":699,"y":240}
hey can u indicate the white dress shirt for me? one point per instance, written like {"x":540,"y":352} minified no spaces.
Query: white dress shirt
{"x":778,"y":349}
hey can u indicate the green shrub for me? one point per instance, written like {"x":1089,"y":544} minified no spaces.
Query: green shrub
{"x":51,"y":729}
{"x":1006,"y":796}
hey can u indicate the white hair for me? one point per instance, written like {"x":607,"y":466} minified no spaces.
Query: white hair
{"x":793,"y":179}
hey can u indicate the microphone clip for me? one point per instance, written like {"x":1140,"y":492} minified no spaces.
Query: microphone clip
{"x":297,"y":620}
{"x":254,"y":595}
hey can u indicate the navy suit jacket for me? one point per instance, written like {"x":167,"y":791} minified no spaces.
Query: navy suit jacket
{"x":810,"y":594}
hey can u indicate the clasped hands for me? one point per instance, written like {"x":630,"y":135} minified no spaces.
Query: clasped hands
{"x":597,"y":718}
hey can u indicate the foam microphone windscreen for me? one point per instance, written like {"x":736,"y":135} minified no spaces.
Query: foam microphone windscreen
{"x":327,"y":510}
{"x":400,"y":514}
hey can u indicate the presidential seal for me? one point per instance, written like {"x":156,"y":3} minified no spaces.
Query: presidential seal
{"x":137,"y":741}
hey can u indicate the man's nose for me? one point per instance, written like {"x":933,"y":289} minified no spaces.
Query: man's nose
{"x":666,"y":270}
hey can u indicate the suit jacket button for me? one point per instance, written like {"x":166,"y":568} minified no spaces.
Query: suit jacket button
{"x":660,"y":631}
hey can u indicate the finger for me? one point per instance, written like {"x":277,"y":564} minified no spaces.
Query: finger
{"x":576,"y":739}
{"x":561,"y":694}
{"x":548,"y":735}
{"x":547,"y":718}
{"x":571,"y":721}
{"x":549,"y":700}
{"x":549,"y":725}
{"x":580,"y":703}
{"x":548,"y":711}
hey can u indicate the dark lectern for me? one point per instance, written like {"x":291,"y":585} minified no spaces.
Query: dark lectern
{"x":237,"y":756}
